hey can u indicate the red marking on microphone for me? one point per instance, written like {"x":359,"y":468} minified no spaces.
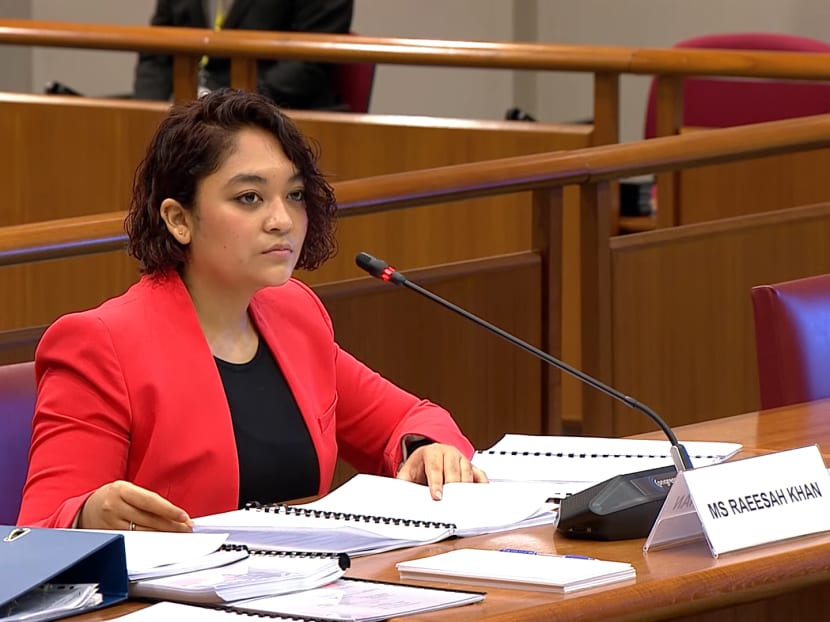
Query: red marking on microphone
{"x":387,"y":273}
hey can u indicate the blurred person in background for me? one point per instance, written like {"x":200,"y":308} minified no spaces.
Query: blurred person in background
{"x":291,"y":84}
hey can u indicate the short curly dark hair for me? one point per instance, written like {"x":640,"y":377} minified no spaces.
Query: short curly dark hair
{"x":191,"y":142}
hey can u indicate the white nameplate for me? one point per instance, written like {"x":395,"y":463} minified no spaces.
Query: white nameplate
{"x":736,"y":505}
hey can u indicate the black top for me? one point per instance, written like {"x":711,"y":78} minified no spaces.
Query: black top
{"x":277,"y":460}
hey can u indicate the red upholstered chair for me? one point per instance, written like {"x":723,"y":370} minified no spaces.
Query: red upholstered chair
{"x":17,"y":405}
{"x":792,"y":340}
{"x":353,"y":83}
{"x":709,"y":102}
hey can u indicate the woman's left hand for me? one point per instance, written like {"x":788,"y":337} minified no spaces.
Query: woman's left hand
{"x":437,"y":464}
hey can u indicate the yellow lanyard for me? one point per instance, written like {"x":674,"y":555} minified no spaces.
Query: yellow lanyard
{"x":218,"y":21}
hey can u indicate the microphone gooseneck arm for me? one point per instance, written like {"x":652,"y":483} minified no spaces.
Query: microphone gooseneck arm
{"x":382,"y":270}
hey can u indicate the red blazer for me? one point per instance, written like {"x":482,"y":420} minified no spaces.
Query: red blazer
{"x":130,"y":391}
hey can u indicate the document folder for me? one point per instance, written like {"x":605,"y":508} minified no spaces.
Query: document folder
{"x":32,"y":557}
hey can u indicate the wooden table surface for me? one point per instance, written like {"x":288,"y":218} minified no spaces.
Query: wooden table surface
{"x":770,"y":430}
{"x":785,"y":581}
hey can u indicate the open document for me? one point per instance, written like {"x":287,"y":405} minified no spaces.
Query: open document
{"x":371,"y":514}
{"x":360,"y":600}
{"x":570,"y":464}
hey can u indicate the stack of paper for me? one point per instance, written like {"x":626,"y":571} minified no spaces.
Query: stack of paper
{"x":217,"y":559}
{"x":204,"y":568}
{"x":370,"y":514}
{"x":152,"y":554}
{"x":516,"y":569}
{"x":259,"y":574}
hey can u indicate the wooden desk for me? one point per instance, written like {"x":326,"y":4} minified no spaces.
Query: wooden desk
{"x":785,"y":581}
{"x":787,"y":427}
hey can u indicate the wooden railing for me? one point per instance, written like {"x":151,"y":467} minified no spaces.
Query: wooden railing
{"x":545,"y":176}
{"x":104,"y":232}
{"x":400,"y":51}
{"x":607,"y":63}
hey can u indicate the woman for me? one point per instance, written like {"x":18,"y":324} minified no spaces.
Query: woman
{"x":215,"y":380}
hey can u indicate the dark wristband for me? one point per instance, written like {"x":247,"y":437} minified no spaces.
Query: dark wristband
{"x":411,"y":447}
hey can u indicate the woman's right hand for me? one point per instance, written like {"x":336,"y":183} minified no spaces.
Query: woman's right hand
{"x":120,"y":505}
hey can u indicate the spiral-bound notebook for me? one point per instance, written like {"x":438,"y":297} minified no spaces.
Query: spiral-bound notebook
{"x":167,"y":611}
{"x":258,"y":573}
{"x":371,"y":514}
{"x":572,"y":463}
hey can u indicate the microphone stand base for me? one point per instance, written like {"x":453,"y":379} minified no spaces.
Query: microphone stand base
{"x":620,"y":508}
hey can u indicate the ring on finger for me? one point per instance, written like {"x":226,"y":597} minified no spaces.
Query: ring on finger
{"x":132,"y":526}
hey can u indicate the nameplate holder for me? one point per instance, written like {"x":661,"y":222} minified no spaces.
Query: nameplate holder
{"x":746,"y":503}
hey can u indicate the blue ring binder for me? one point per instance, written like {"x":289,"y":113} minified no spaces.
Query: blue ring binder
{"x":33,"y":556}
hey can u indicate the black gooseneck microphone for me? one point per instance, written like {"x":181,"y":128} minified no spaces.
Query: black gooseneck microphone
{"x":624,"y":506}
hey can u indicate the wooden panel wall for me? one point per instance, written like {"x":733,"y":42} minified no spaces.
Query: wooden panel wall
{"x":38,"y":293}
{"x":772,"y":183}
{"x":69,"y":156}
{"x":489,"y":386}
{"x":683,"y":338}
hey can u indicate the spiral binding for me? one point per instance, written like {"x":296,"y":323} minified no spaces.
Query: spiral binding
{"x":266,"y":614}
{"x":291,"y":510}
{"x":574,"y":454}
{"x":343,"y":559}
